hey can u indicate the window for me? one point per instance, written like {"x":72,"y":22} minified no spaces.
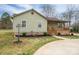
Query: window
{"x":23,"y":23}
{"x":39,"y":25}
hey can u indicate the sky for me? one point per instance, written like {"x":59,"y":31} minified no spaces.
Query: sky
{"x":18,"y":8}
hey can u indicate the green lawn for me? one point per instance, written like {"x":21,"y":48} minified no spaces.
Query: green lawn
{"x":72,"y":37}
{"x":27,"y":47}
{"x":5,"y":30}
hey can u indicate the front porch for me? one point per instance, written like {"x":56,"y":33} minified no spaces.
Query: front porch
{"x":58,"y":27}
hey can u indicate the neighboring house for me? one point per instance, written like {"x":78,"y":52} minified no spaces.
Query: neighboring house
{"x":0,"y":24}
{"x":7,"y":25}
{"x":33,"y":23}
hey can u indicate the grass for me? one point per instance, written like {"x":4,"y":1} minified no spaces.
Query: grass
{"x":72,"y":37}
{"x":28,"y":46}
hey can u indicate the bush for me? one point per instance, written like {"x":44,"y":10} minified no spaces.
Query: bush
{"x":45,"y":34}
{"x":59,"y":33}
{"x":24,"y":34}
{"x":72,"y":34}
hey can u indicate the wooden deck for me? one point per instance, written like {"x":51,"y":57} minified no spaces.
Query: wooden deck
{"x":56,"y":31}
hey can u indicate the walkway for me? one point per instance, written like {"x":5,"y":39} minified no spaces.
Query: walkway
{"x":76,"y":34}
{"x":61,"y":37}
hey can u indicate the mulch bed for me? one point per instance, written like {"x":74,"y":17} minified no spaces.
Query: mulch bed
{"x":32,"y":35}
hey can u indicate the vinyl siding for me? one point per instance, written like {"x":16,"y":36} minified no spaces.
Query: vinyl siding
{"x":32,"y":22}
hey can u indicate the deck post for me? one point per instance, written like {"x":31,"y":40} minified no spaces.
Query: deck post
{"x":69,"y":24}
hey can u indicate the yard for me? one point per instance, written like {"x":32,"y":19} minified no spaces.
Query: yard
{"x":28,"y":46}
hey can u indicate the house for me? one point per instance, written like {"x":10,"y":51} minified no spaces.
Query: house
{"x":33,"y":23}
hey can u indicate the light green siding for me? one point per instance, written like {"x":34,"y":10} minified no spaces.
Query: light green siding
{"x":32,"y":22}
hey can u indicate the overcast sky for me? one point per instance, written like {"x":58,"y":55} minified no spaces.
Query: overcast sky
{"x":17,"y":8}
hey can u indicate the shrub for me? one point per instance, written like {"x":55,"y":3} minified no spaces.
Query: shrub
{"x":59,"y":33}
{"x":45,"y":34}
{"x":72,"y":34}
{"x":24,"y":34}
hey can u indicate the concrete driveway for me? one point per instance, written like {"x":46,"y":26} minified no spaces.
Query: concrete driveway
{"x":62,"y":47}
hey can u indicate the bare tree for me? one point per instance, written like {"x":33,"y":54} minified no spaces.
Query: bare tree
{"x":48,"y":10}
{"x":72,"y":14}
{"x":63,"y":16}
{"x":76,"y":18}
{"x":69,"y":13}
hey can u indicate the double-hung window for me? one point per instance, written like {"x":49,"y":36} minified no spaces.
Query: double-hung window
{"x":39,"y":25}
{"x":23,"y":23}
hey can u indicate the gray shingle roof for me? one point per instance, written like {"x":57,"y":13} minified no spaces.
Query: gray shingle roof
{"x":47,"y":18}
